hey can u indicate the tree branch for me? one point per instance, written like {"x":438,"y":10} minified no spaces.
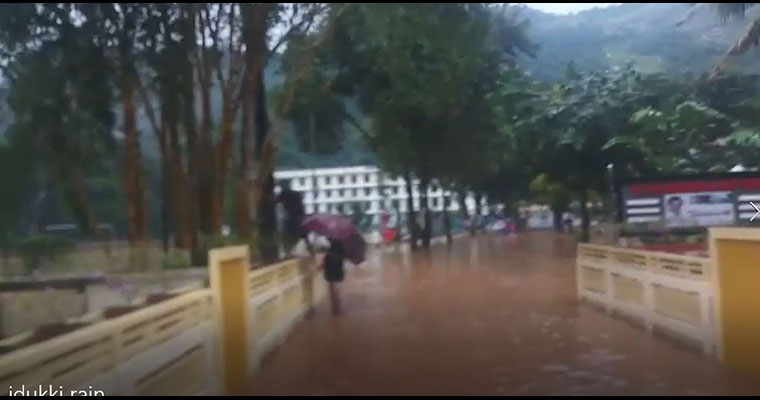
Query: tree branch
{"x":749,"y":40}
{"x":353,"y":121}
{"x":269,"y":146}
{"x":308,"y":20}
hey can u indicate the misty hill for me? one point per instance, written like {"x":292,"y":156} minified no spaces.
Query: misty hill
{"x":642,"y":33}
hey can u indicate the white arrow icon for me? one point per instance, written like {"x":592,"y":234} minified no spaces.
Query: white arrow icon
{"x":756,"y":209}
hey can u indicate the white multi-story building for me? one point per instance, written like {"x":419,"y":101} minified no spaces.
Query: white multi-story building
{"x":339,"y":190}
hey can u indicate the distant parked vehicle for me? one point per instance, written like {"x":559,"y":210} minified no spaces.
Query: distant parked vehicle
{"x":504,"y":226}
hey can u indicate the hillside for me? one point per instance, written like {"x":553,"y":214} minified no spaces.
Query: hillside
{"x":642,"y":33}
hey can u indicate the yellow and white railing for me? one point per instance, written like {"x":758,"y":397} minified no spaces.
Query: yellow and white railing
{"x":123,"y":356}
{"x":666,"y":291}
{"x":198,"y":342}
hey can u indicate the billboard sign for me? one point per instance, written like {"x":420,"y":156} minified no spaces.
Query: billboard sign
{"x":690,"y":201}
{"x":699,"y":209}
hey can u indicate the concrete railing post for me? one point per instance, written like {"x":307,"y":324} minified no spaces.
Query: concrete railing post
{"x":228,"y":276}
{"x":735,"y":253}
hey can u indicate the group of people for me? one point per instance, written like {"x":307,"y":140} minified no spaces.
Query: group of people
{"x":293,"y":232}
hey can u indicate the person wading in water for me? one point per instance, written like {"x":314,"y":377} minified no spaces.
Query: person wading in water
{"x":333,"y":272}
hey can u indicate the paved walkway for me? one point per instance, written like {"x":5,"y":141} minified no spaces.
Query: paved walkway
{"x":489,"y":316}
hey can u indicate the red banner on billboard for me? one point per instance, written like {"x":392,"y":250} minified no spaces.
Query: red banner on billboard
{"x":729,"y":185}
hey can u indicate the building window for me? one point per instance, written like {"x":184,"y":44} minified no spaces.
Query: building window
{"x":340,"y":180}
{"x":366,"y":191}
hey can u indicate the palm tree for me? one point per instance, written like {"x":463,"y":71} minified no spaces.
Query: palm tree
{"x":726,"y":11}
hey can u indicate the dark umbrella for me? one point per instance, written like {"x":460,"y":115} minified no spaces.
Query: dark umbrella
{"x":338,"y":228}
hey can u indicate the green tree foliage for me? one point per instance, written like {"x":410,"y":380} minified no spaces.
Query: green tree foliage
{"x":711,"y":128}
{"x":70,"y":65}
{"x":423,"y":73}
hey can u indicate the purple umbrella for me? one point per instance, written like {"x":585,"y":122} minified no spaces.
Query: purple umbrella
{"x":338,"y":228}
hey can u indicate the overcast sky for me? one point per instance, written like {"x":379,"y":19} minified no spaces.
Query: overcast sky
{"x":566,"y":8}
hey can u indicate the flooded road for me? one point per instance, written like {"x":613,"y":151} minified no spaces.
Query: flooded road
{"x":489,"y":316}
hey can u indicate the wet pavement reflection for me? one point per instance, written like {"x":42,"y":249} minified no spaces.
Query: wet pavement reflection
{"x":490,"y":315}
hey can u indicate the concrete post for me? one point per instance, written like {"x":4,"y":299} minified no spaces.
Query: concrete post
{"x":228,"y":276}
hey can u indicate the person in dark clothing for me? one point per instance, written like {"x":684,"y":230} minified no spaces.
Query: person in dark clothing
{"x":292,"y":203}
{"x":333,"y":272}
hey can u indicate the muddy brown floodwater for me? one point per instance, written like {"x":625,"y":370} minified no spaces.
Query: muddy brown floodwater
{"x":487,"y":316}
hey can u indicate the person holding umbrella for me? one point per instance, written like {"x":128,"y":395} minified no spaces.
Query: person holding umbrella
{"x":332,"y":267}
{"x":345,"y":243}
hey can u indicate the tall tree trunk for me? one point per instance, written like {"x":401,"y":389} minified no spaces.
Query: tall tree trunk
{"x":267,"y":224}
{"x":268,"y":148}
{"x":134,"y":180}
{"x":477,"y":215}
{"x":411,"y":216}
{"x":78,"y":198}
{"x":462,"y":200}
{"x":205,"y":185}
{"x":242,"y":190}
{"x":557,"y":218}
{"x":446,"y":219}
{"x":185,"y":233}
{"x":190,"y":187}
{"x":165,"y":192}
{"x":254,"y":121}
{"x":205,"y":153}
{"x":585,"y":218}
{"x":133,"y":174}
{"x":205,"y":150}
{"x":180,"y":189}
{"x":221,"y":156}
{"x":4,"y":256}
{"x":266,"y":210}
{"x":425,"y":208}
{"x":461,"y":197}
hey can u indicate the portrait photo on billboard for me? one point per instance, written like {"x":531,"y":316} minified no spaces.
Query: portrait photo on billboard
{"x":699,"y":209}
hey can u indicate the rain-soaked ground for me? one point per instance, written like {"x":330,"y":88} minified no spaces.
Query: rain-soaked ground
{"x":488,"y":316}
